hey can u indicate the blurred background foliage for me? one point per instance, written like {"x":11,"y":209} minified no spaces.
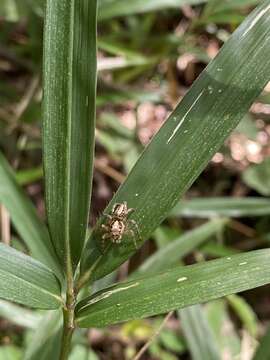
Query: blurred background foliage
{"x":149,"y":53}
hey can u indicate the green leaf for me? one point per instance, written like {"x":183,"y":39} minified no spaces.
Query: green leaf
{"x":198,"y":334}
{"x":258,"y":177}
{"x":170,"y":254}
{"x":245,"y":312}
{"x":9,"y":10}
{"x":234,"y":4}
{"x":19,"y":315}
{"x":28,"y":176}
{"x":69,"y":121}
{"x":24,"y":217}
{"x":9,"y":352}
{"x":221,"y":323}
{"x":195,"y":130}
{"x":247,"y":126}
{"x":218,"y":250}
{"x":27,"y":281}
{"x":45,"y":343}
{"x":263,"y":351}
{"x":174,"y":289}
{"x":222,"y":206}
{"x":80,"y":352}
{"x":171,"y":341}
{"x":112,"y":8}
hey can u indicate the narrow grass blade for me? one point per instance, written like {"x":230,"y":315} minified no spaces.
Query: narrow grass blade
{"x":25,"y":177}
{"x":195,"y":130}
{"x":222,"y":206}
{"x":263,"y":351}
{"x":245,"y":313}
{"x":19,"y":315}
{"x":234,"y":4}
{"x":112,"y":8}
{"x":80,"y":352}
{"x":10,"y":352}
{"x":26,"y":281}
{"x":198,"y":334}
{"x":24,"y":217}
{"x":219,"y":318}
{"x":69,"y":121}
{"x":45,"y":343}
{"x":177,"y":288}
{"x":177,"y":249}
{"x":258,"y":177}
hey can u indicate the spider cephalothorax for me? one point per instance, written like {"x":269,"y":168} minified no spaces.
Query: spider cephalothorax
{"x":118,"y":224}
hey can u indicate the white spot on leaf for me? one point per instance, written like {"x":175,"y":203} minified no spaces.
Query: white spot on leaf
{"x":256,"y":19}
{"x":184,"y":117}
{"x":182,"y":279}
{"x":107,"y":294}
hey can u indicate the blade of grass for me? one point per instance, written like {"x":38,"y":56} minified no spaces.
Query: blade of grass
{"x":27,"y":281}
{"x":258,"y":177}
{"x":45,"y":343}
{"x":263,"y":351}
{"x":19,"y":315}
{"x":174,"y":289}
{"x":195,"y":130}
{"x":219,"y":318}
{"x":245,"y":312}
{"x":222,"y":206}
{"x":69,"y":121}
{"x":198,"y":334}
{"x":10,"y":352}
{"x":28,"y":176}
{"x":234,"y":4}
{"x":112,"y":8}
{"x":24,"y":217}
{"x":169,"y":255}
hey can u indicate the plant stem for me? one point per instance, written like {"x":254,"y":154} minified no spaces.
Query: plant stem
{"x":68,"y":313}
{"x":68,"y":329}
{"x":84,"y":277}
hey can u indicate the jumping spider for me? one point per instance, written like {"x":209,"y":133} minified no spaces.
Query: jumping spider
{"x":118,"y":224}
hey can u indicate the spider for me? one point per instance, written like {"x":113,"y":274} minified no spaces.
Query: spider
{"x":118,"y":224}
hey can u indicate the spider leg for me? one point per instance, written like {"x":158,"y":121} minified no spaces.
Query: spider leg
{"x":115,"y":206}
{"x":118,"y":240}
{"x":131,"y":210}
{"x":133,"y":222}
{"x":106,"y":227}
{"x":108,"y":216}
{"x":104,"y":238}
{"x":131,"y":231}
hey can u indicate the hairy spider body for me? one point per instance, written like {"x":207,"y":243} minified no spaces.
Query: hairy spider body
{"x":118,"y":224}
